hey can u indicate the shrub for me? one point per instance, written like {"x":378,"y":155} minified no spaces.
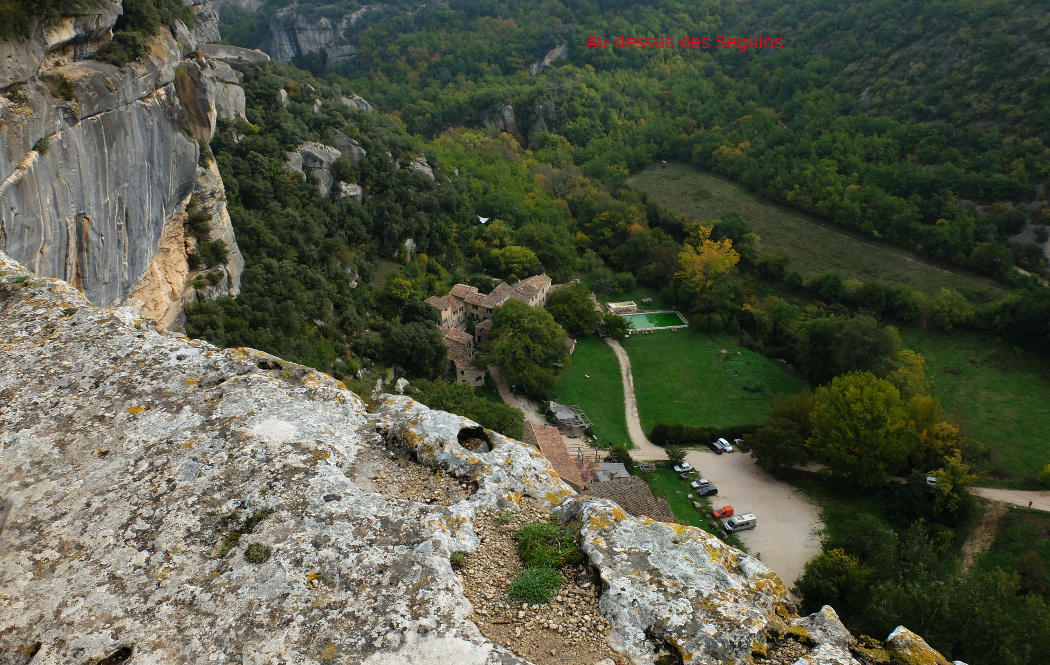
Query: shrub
{"x":547,"y":545}
{"x":43,"y":145}
{"x":458,"y":559}
{"x":60,"y":87}
{"x":535,"y":585}
{"x":257,"y":553}
{"x":213,"y":252}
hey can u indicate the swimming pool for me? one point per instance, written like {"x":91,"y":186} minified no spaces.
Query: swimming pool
{"x":649,"y":320}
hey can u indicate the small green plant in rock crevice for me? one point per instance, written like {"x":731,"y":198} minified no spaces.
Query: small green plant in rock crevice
{"x":544,"y":548}
{"x":257,"y":553}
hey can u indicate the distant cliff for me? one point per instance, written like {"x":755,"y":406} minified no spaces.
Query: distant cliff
{"x":297,"y":31}
{"x":98,"y":162}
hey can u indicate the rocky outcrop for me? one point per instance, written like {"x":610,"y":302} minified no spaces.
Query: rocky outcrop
{"x":314,"y":160}
{"x":350,"y":148}
{"x":235,"y":56}
{"x":96,"y":161}
{"x":228,"y":93}
{"x":167,"y":501}
{"x":558,"y":52}
{"x":503,"y":120}
{"x":420,"y":165}
{"x":356,"y":101}
{"x":297,"y":31}
{"x":351,"y":190}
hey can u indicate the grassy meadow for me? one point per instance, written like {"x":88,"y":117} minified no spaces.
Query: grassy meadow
{"x":999,"y":395}
{"x":686,"y":378}
{"x":813,"y":246}
{"x":601,"y":395}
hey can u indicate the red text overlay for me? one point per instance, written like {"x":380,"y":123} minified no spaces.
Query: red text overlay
{"x":687,"y":42}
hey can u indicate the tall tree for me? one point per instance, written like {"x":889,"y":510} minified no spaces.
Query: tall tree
{"x":860,"y":428}
{"x":528,"y":345}
{"x":573,"y":310}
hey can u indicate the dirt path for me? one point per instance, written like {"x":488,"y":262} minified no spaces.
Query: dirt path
{"x":517,"y":401}
{"x":1040,"y":499}
{"x":982,"y":534}
{"x":643,"y":448}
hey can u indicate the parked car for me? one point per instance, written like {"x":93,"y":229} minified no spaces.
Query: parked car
{"x":740,"y":523}
{"x":724,"y":511}
{"x":683,"y":467}
{"x":721,"y":446}
{"x":699,"y":482}
{"x":706,"y":490}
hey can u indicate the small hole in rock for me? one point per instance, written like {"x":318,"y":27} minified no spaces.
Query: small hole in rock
{"x":117,"y":657}
{"x":474,"y":438}
{"x":269,"y":364}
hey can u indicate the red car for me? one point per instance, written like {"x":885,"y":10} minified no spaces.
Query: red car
{"x":724,"y":511}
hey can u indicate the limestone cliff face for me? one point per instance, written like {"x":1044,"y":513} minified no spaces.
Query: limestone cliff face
{"x":93,"y":168}
{"x":164,"y":501}
{"x":296,"y":32}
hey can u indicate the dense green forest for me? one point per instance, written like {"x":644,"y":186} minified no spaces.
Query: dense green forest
{"x":929,"y":133}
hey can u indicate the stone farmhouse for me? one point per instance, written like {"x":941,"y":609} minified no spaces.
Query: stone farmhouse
{"x":465,"y":303}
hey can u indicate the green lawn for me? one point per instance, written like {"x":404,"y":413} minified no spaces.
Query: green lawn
{"x":685,"y":378}
{"x":814,"y":246}
{"x":601,"y":395}
{"x":1000,"y":397}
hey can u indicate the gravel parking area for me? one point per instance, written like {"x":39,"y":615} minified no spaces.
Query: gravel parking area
{"x":787,"y":533}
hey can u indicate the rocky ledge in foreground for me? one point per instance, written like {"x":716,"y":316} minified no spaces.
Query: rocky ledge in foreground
{"x":164,"y":501}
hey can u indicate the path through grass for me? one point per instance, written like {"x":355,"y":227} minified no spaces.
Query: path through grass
{"x":601,"y":395}
{"x":686,"y":378}
{"x":814,"y":246}
{"x":999,"y":395}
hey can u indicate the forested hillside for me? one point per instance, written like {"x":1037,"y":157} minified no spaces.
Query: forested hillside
{"x":922,"y":125}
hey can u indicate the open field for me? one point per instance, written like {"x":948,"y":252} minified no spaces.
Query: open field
{"x":686,"y":378}
{"x":601,"y":395}
{"x":1000,"y":397}
{"x":814,"y":246}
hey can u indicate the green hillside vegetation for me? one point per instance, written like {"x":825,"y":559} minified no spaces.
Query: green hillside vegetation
{"x":812,"y":245}
{"x":998,"y":394}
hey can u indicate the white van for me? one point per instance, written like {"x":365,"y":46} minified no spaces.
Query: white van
{"x":740,"y":523}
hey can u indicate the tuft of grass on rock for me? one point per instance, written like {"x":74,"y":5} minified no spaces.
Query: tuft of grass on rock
{"x":535,"y":585}
{"x":257,"y":553}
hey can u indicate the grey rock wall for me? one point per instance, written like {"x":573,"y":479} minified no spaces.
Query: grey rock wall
{"x":295,"y":32}
{"x":88,"y":184}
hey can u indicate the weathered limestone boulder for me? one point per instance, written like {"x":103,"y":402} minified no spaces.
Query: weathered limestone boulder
{"x":350,"y":190}
{"x":282,"y":97}
{"x":419,"y":165}
{"x":355,"y":101}
{"x":139,"y":468}
{"x":710,"y":601}
{"x":314,"y":160}
{"x":350,"y":148}
{"x":235,"y":56}
{"x":911,"y":649}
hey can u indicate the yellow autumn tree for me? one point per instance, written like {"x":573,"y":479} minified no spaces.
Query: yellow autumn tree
{"x":703,"y":261}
